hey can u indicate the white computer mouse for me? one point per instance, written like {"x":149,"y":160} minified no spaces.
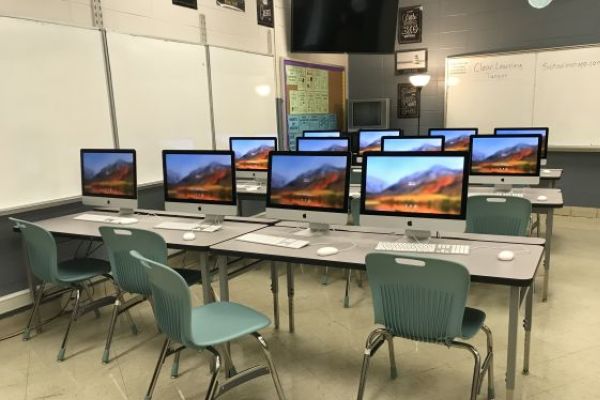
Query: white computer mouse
{"x":542,"y":198}
{"x":506,"y":255}
{"x":327,"y":251}
{"x":189,"y":236}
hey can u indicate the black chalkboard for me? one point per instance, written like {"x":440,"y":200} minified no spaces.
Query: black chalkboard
{"x":409,"y":100}
{"x":410,"y":25}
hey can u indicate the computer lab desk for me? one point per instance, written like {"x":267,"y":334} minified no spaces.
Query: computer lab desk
{"x":355,"y":244}
{"x":68,"y":227}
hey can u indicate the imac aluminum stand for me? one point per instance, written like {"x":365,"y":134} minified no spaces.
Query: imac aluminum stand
{"x":313,"y":230}
{"x":214,"y":219}
{"x":417,"y":235}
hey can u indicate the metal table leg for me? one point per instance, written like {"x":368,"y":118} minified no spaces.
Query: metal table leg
{"x":290,"y":285}
{"x":275,"y":291}
{"x":527,"y":324}
{"x":223,"y":278}
{"x":513,"y":330}
{"x":206,"y":280}
{"x":548,"y":248}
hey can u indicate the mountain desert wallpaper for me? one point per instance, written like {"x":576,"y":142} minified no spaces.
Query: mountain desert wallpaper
{"x":307,"y":144}
{"x":457,"y":140}
{"x":309,"y":181}
{"x":371,"y":141}
{"x":412,"y":144}
{"x":504,"y":155}
{"x":108,"y":174}
{"x":252,"y":155}
{"x":420,"y":185}
{"x":199,"y":177}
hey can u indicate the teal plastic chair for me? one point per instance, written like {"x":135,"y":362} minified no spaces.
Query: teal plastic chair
{"x":72,"y":274}
{"x":204,"y":327}
{"x":496,"y":215}
{"x":424,"y":300}
{"x":129,"y":276}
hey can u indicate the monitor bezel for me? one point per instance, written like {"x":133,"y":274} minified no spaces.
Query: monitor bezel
{"x":505,"y":176}
{"x":106,"y":196}
{"x":346,"y":207}
{"x":300,"y":138}
{"x":339,"y":133}
{"x":465,"y":189}
{"x":545,"y":138}
{"x":168,"y":199}
{"x":384,"y":139}
{"x":360,"y":132}
{"x":232,"y":138}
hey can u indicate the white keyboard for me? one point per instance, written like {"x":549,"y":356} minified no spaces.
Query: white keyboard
{"x":273,"y":240}
{"x":186,"y":226}
{"x":106,"y":219}
{"x":431,"y":248}
{"x":499,"y":194}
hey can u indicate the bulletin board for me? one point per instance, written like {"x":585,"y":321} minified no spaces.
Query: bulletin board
{"x":315,"y":98}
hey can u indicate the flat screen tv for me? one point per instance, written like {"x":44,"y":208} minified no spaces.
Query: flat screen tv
{"x":344,"y":26}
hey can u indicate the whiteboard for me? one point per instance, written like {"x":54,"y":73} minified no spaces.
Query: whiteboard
{"x":161,"y":96}
{"x":243,"y":93}
{"x":53,"y":101}
{"x":556,"y":88}
{"x":488,"y":92}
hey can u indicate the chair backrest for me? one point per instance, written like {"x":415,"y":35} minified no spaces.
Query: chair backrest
{"x":41,"y":250}
{"x":127,"y":271}
{"x":172,"y":300}
{"x":498,"y":215}
{"x":418,"y":298}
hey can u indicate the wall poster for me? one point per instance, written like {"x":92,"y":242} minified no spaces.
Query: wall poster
{"x":237,"y":5}
{"x":409,"y":98}
{"x":187,"y":3}
{"x":265,"y":13}
{"x":410,"y":25}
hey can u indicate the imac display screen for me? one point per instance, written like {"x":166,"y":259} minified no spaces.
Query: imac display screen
{"x":316,"y":181}
{"x":454,"y":139}
{"x":199,"y":177}
{"x":108,"y":174}
{"x":319,"y":134}
{"x":252,"y":154}
{"x":322,"y":144}
{"x":507,"y":155}
{"x":371,"y":140}
{"x":527,"y":131}
{"x":413,"y":144}
{"x":415,"y":185}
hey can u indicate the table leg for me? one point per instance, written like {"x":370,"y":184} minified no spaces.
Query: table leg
{"x":513,"y":330}
{"x":290,"y":285}
{"x":527,"y":324}
{"x":223,"y":278}
{"x":275,"y":290}
{"x":548,"y":247}
{"x":206,"y":280}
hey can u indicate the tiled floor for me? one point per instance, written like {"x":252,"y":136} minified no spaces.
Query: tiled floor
{"x":322,"y":359}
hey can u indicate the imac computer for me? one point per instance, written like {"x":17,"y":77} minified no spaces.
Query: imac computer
{"x":545,"y":132}
{"x":109,"y":178}
{"x":320,"y":134}
{"x":252,"y":156}
{"x":370,"y":140}
{"x":455,"y":139}
{"x":368,"y":114}
{"x":418,"y":192}
{"x":430,"y":143}
{"x":200,"y":182}
{"x":322,"y":144}
{"x":504,"y":161}
{"x":309,"y":187}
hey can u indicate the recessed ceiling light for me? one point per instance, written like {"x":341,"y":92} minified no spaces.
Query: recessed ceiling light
{"x":539,"y":3}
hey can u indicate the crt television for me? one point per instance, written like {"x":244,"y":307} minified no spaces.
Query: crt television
{"x":200,"y":182}
{"x":343,"y":26}
{"x":109,"y":178}
{"x":419,"y":192}
{"x":368,"y":114}
{"x":506,"y":160}
{"x":309,"y":186}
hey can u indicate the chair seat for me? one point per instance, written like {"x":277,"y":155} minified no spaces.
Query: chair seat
{"x":80,"y":269}
{"x":472,"y":322}
{"x":217,"y":323}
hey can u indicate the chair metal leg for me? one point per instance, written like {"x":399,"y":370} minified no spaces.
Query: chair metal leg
{"x":159,"y":364}
{"x":88,"y":293}
{"x":34,"y":311}
{"x":347,"y":292}
{"x":111,"y":330}
{"x":476,"y":369}
{"x":374,"y":342}
{"x":488,"y":364}
{"x":274,"y":375}
{"x":74,"y":315}
{"x":214,"y":383}
{"x":175,"y":366}
{"x":134,"y":328}
{"x":393,"y":369}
